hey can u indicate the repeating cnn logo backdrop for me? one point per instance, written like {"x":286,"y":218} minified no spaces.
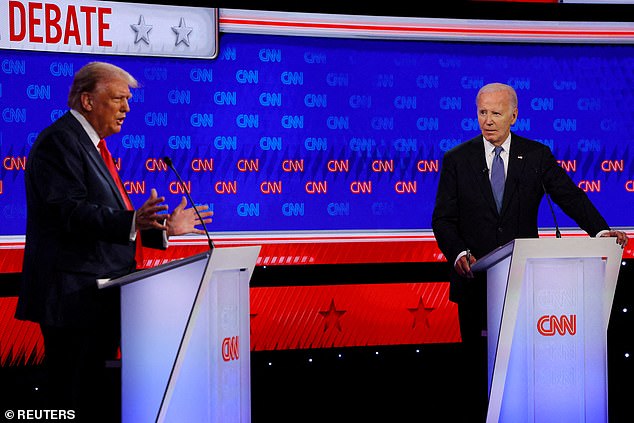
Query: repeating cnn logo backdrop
{"x":294,"y":133}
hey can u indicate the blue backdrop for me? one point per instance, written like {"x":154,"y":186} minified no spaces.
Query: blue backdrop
{"x":294,"y":133}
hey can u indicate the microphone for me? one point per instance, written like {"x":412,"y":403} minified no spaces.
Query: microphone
{"x":169,"y":163}
{"x":485,"y":170}
{"x":552,"y":211}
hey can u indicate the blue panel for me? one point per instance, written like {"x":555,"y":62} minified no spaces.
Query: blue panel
{"x":293,"y":133}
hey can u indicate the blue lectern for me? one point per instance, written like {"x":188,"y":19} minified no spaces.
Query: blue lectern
{"x":185,"y":346}
{"x":549,"y":304}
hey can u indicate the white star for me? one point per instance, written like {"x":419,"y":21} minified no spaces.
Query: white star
{"x":142,"y":31}
{"x":182,"y":32}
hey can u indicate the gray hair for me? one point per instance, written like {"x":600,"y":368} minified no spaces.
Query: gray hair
{"x":89,"y":77}
{"x":497,"y":87}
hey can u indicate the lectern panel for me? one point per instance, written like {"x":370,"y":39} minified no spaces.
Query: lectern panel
{"x":154,"y":313}
{"x":548,"y":351}
{"x":218,"y":336}
{"x":185,"y":339}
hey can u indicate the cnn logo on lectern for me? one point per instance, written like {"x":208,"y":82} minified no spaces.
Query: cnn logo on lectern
{"x":550,"y":325}
{"x":230,"y":348}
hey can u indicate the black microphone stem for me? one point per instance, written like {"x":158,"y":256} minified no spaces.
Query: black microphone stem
{"x":552,"y":211}
{"x":169,"y":163}
{"x":550,"y":204}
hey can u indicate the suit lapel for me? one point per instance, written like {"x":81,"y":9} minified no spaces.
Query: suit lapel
{"x":480,"y":171}
{"x":96,"y":159}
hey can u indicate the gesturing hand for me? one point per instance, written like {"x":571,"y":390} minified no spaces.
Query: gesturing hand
{"x":183,"y":221}
{"x":148,"y":217}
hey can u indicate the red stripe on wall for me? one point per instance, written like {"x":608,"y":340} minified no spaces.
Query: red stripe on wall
{"x":277,"y":251}
{"x":282,"y":251}
{"x":20,"y":342}
{"x":303,"y":317}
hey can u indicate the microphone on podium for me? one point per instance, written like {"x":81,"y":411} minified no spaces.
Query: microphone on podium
{"x":550,"y":204}
{"x":552,"y":211}
{"x":169,"y":163}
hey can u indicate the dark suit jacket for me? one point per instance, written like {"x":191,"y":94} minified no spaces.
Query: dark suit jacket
{"x":77,"y":228}
{"x":465,"y":215}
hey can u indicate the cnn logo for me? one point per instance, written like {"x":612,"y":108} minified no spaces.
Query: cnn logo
{"x":230,"y":348}
{"x":549,"y":325}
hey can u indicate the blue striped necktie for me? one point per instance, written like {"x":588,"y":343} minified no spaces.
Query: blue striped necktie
{"x":497,"y":177}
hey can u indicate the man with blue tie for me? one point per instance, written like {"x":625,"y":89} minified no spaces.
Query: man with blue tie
{"x":489,"y":193}
{"x":81,"y":226}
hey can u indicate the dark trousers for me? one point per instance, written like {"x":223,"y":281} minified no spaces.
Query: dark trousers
{"x":473,"y":364}
{"x":75,"y":364}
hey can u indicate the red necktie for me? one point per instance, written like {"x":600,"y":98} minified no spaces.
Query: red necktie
{"x":107,"y":158}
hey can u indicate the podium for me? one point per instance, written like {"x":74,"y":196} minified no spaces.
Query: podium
{"x":549,"y":304}
{"x":185,"y":344}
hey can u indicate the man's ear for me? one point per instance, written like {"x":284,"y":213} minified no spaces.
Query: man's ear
{"x":86,"y":101}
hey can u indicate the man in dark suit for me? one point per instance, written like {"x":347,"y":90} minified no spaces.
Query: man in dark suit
{"x":82,"y":227}
{"x":468,"y":223}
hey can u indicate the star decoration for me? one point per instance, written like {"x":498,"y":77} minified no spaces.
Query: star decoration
{"x":142,"y":31}
{"x":332,"y":316}
{"x":182,"y":32}
{"x":421,"y":313}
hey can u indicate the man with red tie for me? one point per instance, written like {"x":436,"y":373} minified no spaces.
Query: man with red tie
{"x":81,"y":226}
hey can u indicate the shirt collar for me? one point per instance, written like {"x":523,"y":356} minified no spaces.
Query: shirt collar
{"x":506,"y":145}
{"x":92,"y":134}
